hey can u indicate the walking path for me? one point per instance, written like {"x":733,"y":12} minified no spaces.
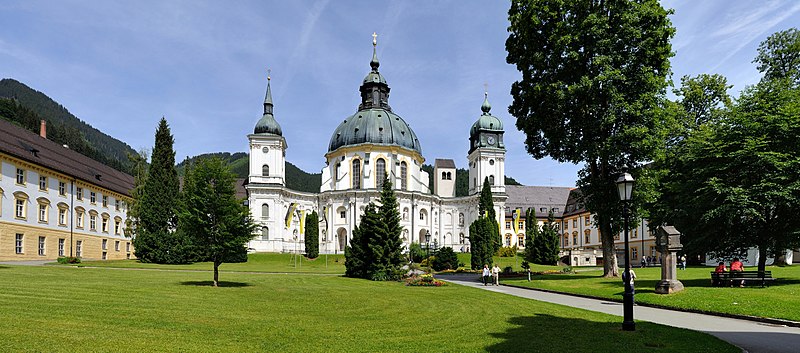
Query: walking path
{"x":751,"y":336}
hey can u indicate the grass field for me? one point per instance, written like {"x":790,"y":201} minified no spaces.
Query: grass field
{"x":260,"y":262}
{"x":68,"y":309}
{"x":780,"y":300}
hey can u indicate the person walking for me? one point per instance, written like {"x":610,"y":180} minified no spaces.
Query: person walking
{"x":486,"y":274}
{"x":496,"y":274}
{"x":683,"y":262}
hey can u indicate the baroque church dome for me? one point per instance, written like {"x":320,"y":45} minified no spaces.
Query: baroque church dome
{"x":267,"y":125}
{"x":374,"y":122}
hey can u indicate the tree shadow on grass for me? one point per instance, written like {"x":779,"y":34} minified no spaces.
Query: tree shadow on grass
{"x":211,"y":284}
{"x":548,"y":333}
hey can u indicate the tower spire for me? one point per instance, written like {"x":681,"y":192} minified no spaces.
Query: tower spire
{"x":268,"y":99}
{"x":374,"y":64}
{"x":486,"y":107}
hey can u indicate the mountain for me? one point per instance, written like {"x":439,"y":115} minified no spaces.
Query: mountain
{"x":26,"y":107}
{"x":296,"y":178}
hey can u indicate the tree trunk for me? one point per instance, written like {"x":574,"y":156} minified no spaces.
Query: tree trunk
{"x":216,"y":274}
{"x":610,"y":267}
{"x":762,"y":258}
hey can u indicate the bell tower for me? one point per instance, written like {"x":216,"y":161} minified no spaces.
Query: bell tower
{"x":487,"y":152}
{"x":267,"y":147}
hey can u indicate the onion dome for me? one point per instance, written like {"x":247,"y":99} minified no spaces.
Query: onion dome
{"x":486,"y":121}
{"x":267,"y":125}
{"x":374,"y":122}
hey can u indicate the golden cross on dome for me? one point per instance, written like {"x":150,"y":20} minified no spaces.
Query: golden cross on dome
{"x":374,"y":39}
{"x":269,"y":71}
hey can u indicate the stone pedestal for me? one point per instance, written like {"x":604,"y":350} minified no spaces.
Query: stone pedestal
{"x":669,"y":280}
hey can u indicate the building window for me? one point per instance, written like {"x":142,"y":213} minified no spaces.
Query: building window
{"x":587,"y":236}
{"x":20,"y":176}
{"x":521,"y":225}
{"x":43,"y":213}
{"x":128,"y":247}
{"x":92,"y":197}
{"x":265,"y":211}
{"x":117,"y":223}
{"x":78,"y":248}
{"x":264,"y":233}
{"x":61,"y":247}
{"x":403,"y":175}
{"x":116,"y":205}
{"x":105,"y":201}
{"x":421,"y":215}
{"x":42,"y":183}
{"x":508,"y":225}
{"x":116,"y":245}
{"x":79,"y":218}
{"x":634,"y":253}
{"x":491,"y":180}
{"x":19,"y":209}
{"x":105,"y":244}
{"x":18,"y":243}
{"x":105,"y":255}
{"x":444,"y":176}
{"x":93,"y":222}
{"x":380,"y":172}
{"x":575,"y":238}
{"x":105,"y":225}
{"x":520,"y":241}
{"x":356,"y":174}
{"x":586,"y":220}
{"x":41,"y":246}
{"x":79,"y":193}
{"x":575,"y":223}
{"x":265,"y":170}
{"x":566,"y":240}
{"x":343,"y":214}
{"x":635,"y":233}
{"x":508,"y":239}
{"x":62,"y":188}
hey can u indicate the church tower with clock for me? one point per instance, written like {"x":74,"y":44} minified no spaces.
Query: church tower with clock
{"x":267,"y":148}
{"x":487,"y":152}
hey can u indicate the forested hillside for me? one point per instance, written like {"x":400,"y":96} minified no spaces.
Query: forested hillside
{"x":27,"y":107}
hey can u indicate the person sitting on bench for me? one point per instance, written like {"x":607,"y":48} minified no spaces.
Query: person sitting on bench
{"x":716,"y":281}
{"x":737,"y":266}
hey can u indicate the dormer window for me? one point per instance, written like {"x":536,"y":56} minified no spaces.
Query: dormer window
{"x":265,"y":170}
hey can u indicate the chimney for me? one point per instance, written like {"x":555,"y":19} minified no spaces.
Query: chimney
{"x":43,"y":129}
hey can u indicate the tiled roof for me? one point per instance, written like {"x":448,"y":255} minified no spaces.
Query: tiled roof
{"x":538,"y":198}
{"x":32,"y":148}
{"x":445,"y":163}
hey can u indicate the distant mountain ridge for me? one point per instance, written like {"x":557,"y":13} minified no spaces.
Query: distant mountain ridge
{"x":26,"y":106}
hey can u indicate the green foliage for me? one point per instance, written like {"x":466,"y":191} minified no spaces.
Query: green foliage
{"x":156,"y":238}
{"x":547,"y":243}
{"x":27,"y":107}
{"x":532,"y":232}
{"x":217,"y":223}
{"x":481,"y":248}
{"x":133,"y":213}
{"x":507,"y":251}
{"x":593,"y":80}
{"x":415,"y":252}
{"x":312,"y":235}
{"x":375,"y":251}
{"x":69,"y":260}
{"x":446,"y":259}
{"x":508,"y":270}
{"x":779,"y":56}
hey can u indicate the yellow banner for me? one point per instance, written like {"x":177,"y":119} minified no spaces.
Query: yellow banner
{"x":302,"y":221}
{"x":290,"y":214}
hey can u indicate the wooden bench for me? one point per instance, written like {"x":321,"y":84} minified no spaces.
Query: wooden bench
{"x":731,"y":277}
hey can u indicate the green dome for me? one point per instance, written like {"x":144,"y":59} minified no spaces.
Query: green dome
{"x":267,"y":125}
{"x":374,"y":126}
{"x":486,"y":121}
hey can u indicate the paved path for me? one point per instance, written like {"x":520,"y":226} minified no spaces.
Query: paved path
{"x":751,"y":336}
{"x":27,"y":263}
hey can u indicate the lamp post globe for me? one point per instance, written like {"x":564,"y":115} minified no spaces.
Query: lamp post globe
{"x":625,"y":189}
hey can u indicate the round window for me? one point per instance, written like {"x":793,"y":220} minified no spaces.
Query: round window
{"x":491,"y":161}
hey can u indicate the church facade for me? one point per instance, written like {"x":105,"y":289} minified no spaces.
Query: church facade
{"x":372,"y":143}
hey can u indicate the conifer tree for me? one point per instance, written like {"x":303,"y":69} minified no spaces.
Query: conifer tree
{"x":546,"y":243}
{"x":532,"y":234}
{"x":390,"y":242}
{"x":362,"y":252}
{"x":156,"y":239}
{"x":312,"y":235}
{"x":215,"y":220}
{"x":484,"y":232}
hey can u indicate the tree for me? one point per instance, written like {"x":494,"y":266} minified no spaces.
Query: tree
{"x":547,"y":243}
{"x":156,"y":239}
{"x":779,"y":56}
{"x":484,"y":232}
{"x":139,"y":161}
{"x":312,"y":235}
{"x":736,"y":184}
{"x":217,"y":222}
{"x":445,"y":259}
{"x":358,"y":255}
{"x":486,"y":207}
{"x":532,"y":232}
{"x":702,"y":98}
{"x":391,"y":244}
{"x":593,"y":78}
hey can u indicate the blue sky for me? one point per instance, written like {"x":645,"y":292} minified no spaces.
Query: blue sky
{"x":121,"y":65}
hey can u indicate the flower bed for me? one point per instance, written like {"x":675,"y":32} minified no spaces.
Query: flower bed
{"x":424,"y":281}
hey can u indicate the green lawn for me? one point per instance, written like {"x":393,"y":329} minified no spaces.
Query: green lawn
{"x":68,"y":309}
{"x":260,"y":262}
{"x":780,"y":300}
{"x":515,"y":263}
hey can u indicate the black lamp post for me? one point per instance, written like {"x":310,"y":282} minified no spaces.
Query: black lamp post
{"x":428,"y":242}
{"x":625,"y":188}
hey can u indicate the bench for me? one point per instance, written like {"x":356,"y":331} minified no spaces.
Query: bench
{"x":731,"y":277}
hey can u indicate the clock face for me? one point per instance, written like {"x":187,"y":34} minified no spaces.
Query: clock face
{"x":265,"y":149}
{"x":490,"y":140}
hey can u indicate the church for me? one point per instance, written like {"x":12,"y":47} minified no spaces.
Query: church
{"x":373,"y":142}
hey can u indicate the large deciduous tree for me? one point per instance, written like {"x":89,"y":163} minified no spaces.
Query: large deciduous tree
{"x":217,"y":222}
{"x":593,"y":78}
{"x":779,"y":56}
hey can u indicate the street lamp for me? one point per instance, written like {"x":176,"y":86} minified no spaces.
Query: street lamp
{"x":625,"y":188}
{"x":428,"y":242}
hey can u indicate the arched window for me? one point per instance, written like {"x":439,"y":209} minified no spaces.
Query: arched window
{"x":336,"y":172}
{"x":380,"y":172}
{"x":444,"y":176}
{"x":449,"y":176}
{"x":491,"y":180}
{"x":264,"y":233}
{"x":265,"y":211}
{"x":356,"y":174}
{"x":403,"y":175}
{"x":265,"y":170}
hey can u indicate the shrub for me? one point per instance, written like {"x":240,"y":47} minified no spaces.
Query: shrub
{"x":507,"y":251}
{"x":508,"y":270}
{"x":424,"y":281}
{"x":446,"y":259}
{"x":416,"y":253}
{"x":567,"y":269}
{"x":428,"y":262}
{"x":69,"y":260}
